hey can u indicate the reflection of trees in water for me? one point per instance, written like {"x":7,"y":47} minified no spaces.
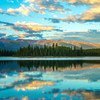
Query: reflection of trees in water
{"x":55,"y":65}
{"x":4,"y":62}
{"x":50,"y":65}
{"x":8,"y":66}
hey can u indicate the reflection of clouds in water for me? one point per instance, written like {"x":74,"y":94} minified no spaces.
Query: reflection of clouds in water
{"x":67,"y":94}
{"x":15,"y":98}
{"x":35,"y":81}
{"x":22,"y":78}
{"x":25,"y":80}
{"x":25,"y":98}
{"x":67,"y":79}
{"x":32,"y":74}
{"x":34,"y":85}
{"x":86,"y":74}
{"x":81,"y":95}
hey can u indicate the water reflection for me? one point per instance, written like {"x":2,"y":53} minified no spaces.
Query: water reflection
{"x":50,"y":80}
{"x":46,"y":65}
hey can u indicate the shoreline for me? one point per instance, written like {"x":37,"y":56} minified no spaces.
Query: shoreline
{"x":49,"y":58}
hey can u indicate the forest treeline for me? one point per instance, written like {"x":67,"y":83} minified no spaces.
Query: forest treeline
{"x":54,"y":50}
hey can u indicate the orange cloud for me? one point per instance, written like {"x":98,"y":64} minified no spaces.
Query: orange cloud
{"x":84,"y":1}
{"x":34,"y":26}
{"x":92,"y":13}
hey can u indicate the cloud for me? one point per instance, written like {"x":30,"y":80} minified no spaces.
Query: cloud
{"x":4,"y":12}
{"x":89,"y":36}
{"x":38,"y":6}
{"x":28,"y":27}
{"x":1,"y":10}
{"x":93,"y":14}
{"x":92,"y":2}
{"x":2,"y":34}
{"x":27,"y":30}
{"x":58,"y":30}
{"x":42,"y":5}
{"x":34,"y":27}
{"x":71,"y":18}
{"x":6,"y":23}
{"x":53,"y":20}
{"x":11,"y":11}
{"x":22,"y":9}
{"x":20,"y":35}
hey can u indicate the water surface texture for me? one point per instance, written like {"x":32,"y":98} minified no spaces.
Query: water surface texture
{"x":50,"y":80}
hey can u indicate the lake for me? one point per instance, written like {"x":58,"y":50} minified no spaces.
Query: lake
{"x":49,"y":79}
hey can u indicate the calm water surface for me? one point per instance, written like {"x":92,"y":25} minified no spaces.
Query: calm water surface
{"x":50,"y":80}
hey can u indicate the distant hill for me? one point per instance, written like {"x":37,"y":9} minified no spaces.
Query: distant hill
{"x":85,"y":45}
{"x":16,"y":44}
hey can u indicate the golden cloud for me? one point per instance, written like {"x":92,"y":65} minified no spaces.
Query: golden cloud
{"x":11,"y":11}
{"x":84,"y":1}
{"x":92,"y":13}
{"x":21,"y":36}
{"x":34,"y":26}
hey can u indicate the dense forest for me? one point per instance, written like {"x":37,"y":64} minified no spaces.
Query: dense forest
{"x":53,"y":50}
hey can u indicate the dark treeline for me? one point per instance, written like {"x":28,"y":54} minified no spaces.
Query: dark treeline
{"x":6,"y":53}
{"x":53,"y":50}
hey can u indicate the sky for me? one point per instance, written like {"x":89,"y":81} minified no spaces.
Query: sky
{"x":50,"y":19}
